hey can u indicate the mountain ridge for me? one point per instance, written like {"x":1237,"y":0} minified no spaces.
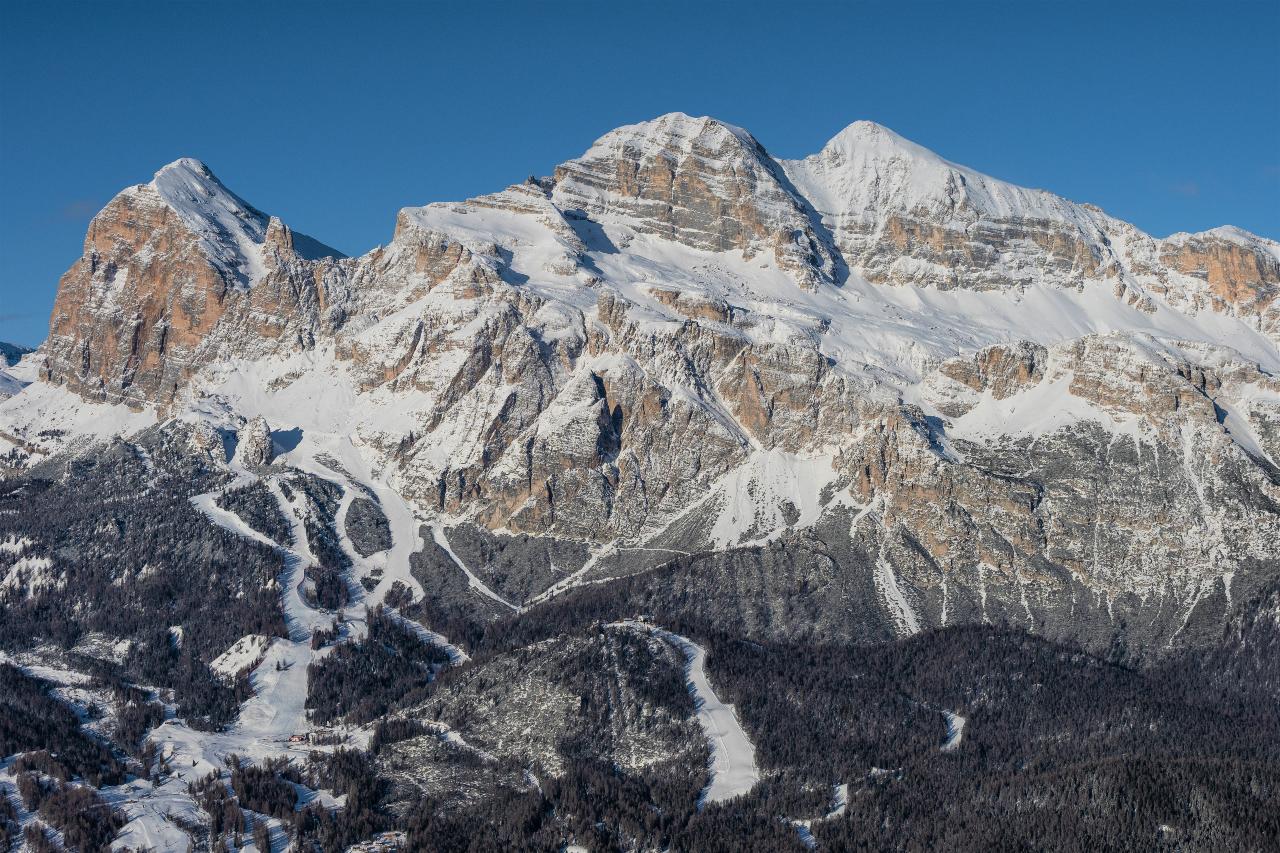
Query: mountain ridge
{"x":665,"y":348}
{"x":860,"y":128}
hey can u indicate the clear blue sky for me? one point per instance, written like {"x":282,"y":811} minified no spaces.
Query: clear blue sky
{"x":333,"y":116}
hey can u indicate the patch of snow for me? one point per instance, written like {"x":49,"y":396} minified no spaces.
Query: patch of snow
{"x":30,"y":575}
{"x":1040,"y":410}
{"x":955,"y":731}
{"x":13,"y":544}
{"x":886,"y":582}
{"x":150,"y":811}
{"x":103,"y":647}
{"x":756,"y":494}
{"x":839,"y":800}
{"x":243,"y":655}
{"x":805,"y":834}
{"x":49,"y":418}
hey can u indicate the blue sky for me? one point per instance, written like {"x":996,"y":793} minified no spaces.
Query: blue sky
{"x":333,"y":116}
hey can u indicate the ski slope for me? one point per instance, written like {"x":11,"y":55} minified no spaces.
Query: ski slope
{"x":733,"y":755}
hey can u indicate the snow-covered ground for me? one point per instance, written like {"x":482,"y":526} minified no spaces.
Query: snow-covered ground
{"x":839,"y":802}
{"x":733,"y":755}
{"x":955,"y":731}
{"x":243,"y":655}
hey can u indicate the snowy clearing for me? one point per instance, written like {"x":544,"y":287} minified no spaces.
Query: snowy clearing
{"x":955,"y":731}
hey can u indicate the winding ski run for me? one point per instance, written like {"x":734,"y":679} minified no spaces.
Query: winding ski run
{"x":733,"y":756}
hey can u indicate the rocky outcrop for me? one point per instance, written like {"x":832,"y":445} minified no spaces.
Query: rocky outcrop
{"x":1239,"y":271}
{"x":204,"y":440}
{"x":702,"y":183}
{"x":253,"y":444}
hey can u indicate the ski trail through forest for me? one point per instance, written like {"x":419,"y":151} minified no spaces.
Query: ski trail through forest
{"x":733,"y":755}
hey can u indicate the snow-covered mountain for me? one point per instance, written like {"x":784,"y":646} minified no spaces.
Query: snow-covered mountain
{"x":17,"y":368}
{"x":639,"y":490}
{"x":1009,"y":404}
{"x":11,"y":354}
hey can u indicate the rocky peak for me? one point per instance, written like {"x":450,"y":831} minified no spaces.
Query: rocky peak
{"x":1240,"y":268}
{"x":867,"y":172}
{"x":700,"y":182}
{"x":253,"y":443}
{"x":230,"y":231}
{"x":167,"y":263}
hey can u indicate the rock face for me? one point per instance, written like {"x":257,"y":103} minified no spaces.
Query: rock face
{"x":702,"y":183}
{"x":253,"y":446}
{"x":900,"y":214}
{"x":965,"y":400}
{"x":176,"y":274}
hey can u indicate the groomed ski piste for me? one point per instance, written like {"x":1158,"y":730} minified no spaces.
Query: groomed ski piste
{"x":733,"y":755}
{"x":276,"y":712}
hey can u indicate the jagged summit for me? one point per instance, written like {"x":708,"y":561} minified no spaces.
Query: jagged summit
{"x":190,"y":185}
{"x":231,"y":228}
{"x":1231,"y":234}
{"x":701,"y":182}
{"x":676,"y":126}
{"x":231,"y":231}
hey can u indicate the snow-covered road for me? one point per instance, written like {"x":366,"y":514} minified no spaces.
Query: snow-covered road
{"x":438,"y":534}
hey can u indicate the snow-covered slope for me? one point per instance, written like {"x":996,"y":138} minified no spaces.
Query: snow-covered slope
{"x":867,"y":171}
{"x":231,"y":232}
{"x":18,"y":369}
{"x":901,"y":214}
